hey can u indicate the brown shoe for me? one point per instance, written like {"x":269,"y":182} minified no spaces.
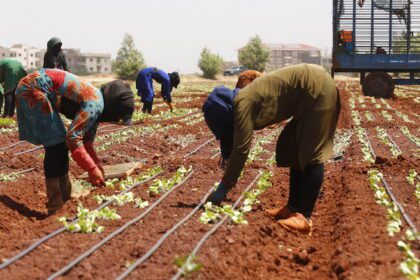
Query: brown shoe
{"x":55,"y":199}
{"x":65,"y":187}
{"x":297,"y":223}
{"x":280,"y":213}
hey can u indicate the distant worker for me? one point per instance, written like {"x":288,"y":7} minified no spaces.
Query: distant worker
{"x":144,"y":85}
{"x":41,"y":96}
{"x":246,"y":77}
{"x":305,"y":93}
{"x":11,"y":71}
{"x":54,"y":58}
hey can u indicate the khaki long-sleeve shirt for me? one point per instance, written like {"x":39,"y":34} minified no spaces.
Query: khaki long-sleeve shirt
{"x":275,"y":97}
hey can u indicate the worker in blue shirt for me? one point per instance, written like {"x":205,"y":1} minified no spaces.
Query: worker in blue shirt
{"x":144,"y":85}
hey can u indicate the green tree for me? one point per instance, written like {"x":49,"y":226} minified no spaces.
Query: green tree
{"x":129,"y":60}
{"x":210,"y":63}
{"x":254,"y":55}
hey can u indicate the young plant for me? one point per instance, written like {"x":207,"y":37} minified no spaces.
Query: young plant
{"x":86,"y":222}
{"x":188,"y":265}
{"x":163,"y":185}
{"x":409,"y":267}
{"x":383,"y":136}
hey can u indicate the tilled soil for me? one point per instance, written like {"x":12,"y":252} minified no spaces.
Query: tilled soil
{"x":349,"y":239}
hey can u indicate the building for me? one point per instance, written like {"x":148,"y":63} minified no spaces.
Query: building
{"x":77,"y":61}
{"x":290,"y":54}
{"x":28,"y":56}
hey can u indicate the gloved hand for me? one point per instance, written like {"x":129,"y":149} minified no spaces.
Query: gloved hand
{"x":222,"y":163}
{"x":219,"y":194}
{"x":170,"y":105}
{"x":91,"y":151}
{"x":84,"y":160}
{"x":96,"y":177}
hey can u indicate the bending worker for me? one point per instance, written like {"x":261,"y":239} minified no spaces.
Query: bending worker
{"x":305,"y":93}
{"x":54,"y":58}
{"x":144,"y":85}
{"x":41,"y":97}
{"x":11,"y":71}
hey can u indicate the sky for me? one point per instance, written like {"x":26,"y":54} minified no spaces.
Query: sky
{"x":169,"y":33}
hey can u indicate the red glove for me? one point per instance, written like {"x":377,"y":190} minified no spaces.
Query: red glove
{"x":84,"y":160}
{"x":91,"y":151}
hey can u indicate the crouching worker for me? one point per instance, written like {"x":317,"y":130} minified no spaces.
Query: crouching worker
{"x":305,"y":93}
{"x":144,"y":85}
{"x":11,"y":71}
{"x":40,"y":97}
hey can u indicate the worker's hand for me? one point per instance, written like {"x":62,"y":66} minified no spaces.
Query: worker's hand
{"x":222,"y":163}
{"x":170,"y":106}
{"x":158,"y":94}
{"x":219,"y":194}
{"x":102,"y":170}
{"x":96,"y":177}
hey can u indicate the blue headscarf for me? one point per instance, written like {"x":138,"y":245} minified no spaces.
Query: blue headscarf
{"x":218,"y":113}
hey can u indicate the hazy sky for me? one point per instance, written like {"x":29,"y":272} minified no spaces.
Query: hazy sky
{"x":169,"y":33}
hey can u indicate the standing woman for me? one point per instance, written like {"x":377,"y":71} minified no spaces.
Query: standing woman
{"x":144,"y":85}
{"x":54,"y":58}
{"x":11,"y":71}
{"x":308,"y":95}
{"x":41,"y":97}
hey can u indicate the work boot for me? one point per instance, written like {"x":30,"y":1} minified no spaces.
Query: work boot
{"x":55,"y":199}
{"x":297,"y":223}
{"x":280,"y":213}
{"x":65,"y":187}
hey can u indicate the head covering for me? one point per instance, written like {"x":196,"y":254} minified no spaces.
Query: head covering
{"x":54,"y":41}
{"x":118,"y":102}
{"x":247,"y":77}
{"x":175,"y":80}
{"x":218,"y":113}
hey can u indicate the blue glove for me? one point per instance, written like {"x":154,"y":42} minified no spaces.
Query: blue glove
{"x":218,"y":195}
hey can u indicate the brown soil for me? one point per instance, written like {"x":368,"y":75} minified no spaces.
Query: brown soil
{"x":349,"y":239}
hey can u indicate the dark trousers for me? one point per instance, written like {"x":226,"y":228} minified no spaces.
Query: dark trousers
{"x":9,"y":104}
{"x":304,"y":189}
{"x":1,"y":101}
{"x":56,"y":161}
{"x":147,"y":107}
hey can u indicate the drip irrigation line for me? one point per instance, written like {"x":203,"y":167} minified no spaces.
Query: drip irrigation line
{"x":370,"y":145}
{"x":199,"y":148}
{"x":13,"y":145}
{"x":213,"y":230}
{"x":62,"y":229}
{"x":400,"y":207}
{"x":160,"y":242}
{"x":104,"y":126}
{"x":116,"y":232}
{"x":214,"y":156}
{"x":23,"y":171}
{"x":28,"y":151}
{"x":393,"y":142}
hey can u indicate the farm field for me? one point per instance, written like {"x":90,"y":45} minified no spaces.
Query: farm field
{"x":152,"y":226}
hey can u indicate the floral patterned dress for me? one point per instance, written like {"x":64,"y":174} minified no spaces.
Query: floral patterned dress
{"x":40,"y":98}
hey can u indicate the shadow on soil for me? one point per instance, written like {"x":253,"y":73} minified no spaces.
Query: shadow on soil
{"x":21,"y":208}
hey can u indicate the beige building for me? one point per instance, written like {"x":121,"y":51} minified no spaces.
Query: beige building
{"x":28,"y":56}
{"x":290,"y":54}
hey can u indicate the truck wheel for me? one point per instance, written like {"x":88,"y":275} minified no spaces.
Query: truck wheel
{"x":379,"y":85}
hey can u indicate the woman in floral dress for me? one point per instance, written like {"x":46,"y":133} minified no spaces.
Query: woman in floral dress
{"x":40,"y":98}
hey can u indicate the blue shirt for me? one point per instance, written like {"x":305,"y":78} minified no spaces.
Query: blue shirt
{"x":144,"y":84}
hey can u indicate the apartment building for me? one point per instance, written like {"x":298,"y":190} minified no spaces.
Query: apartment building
{"x":77,"y":61}
{"x":290,"y":54}
{"x":28,"y":56}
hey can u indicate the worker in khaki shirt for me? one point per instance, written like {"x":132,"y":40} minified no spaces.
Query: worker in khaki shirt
{"x":305,"y":93}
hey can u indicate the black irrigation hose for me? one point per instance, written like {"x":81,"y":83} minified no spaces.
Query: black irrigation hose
{"x":160,"y":242}
{"x":213,"y":230}
{"x":13,"y":145}
{"x":215,"y":155}
{"x":116,"y":232}
{"x":400,"y":207}
{"x":28,"y":151}
{"x":23,"y":171}
{"x":199,"y":148}
{"x":62,"y":229}
{"x":370,"y":145}
{"x":393,"y":142}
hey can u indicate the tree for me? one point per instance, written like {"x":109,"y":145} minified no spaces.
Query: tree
{"x":210,"y":63}
{"x":254,"y":55}
{"x":129,"y":60}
